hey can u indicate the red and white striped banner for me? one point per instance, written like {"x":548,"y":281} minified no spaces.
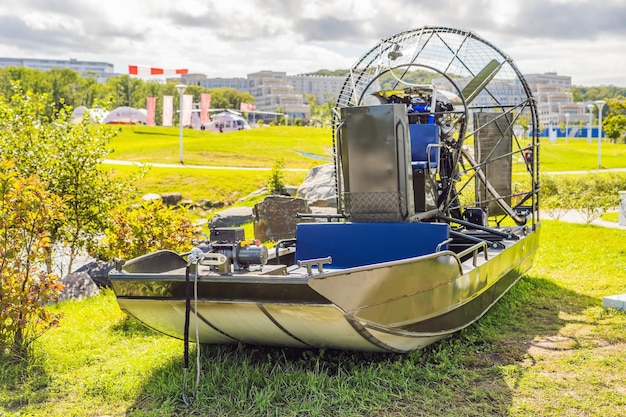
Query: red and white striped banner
{"x":141,"y":70}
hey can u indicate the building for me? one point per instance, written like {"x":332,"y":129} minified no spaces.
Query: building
{"x":239,"y":84}
{"x":324,"y":87}
{"x":555,"y":103}
{"x":272,"y":91}
{"x":101,"y":69}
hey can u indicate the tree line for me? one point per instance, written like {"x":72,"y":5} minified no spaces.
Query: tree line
{"x":66,"y":87}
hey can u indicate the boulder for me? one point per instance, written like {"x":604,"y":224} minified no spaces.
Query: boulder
{"x":78,"y":285}
{"x":151,"y":197}
{"x":98,"y":271}
{"x":275,"y":217}
{"x":318,"y":188}
{"x":235,"y":216}
{"x":171,"y":199}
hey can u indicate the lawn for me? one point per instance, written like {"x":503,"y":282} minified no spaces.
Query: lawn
{"x":547,"y":348}
{"x":301,"y":148}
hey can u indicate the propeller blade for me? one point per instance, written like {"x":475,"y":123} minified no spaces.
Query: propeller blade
{"x":478,"y":83}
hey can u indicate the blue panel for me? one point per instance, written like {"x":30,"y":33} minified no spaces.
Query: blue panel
{"x":357,"y":244}
{"x":421,"y":137}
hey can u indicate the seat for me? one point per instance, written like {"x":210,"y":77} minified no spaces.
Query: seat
{"x":424,"y":146}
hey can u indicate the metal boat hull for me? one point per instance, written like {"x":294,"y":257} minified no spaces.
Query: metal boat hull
{"x":395,"y":306}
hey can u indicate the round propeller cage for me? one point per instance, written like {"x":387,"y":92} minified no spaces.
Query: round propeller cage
{"x":484,"y":108}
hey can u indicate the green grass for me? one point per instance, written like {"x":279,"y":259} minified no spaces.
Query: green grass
{"x":259,"y":149}
{"x":246,"y":148}
{"x":577,"y":154}
{"x":547,"y":348}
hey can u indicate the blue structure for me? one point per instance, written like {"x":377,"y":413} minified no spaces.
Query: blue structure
{"x":574,"y":132}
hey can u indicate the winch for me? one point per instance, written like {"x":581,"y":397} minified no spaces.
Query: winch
{"x":230,"y":242}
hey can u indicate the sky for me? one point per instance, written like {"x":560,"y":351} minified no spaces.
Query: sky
{"x":585,"y":39}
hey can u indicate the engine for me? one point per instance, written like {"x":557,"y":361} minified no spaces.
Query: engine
{"x":239,"y":252}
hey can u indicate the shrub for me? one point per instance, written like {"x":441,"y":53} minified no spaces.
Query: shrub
{"x":276,"y":182}
{"x":145,"y":228}
{"x":592,"y":195}
{"x":26,"y":209}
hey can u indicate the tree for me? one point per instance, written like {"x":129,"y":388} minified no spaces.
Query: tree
{"x":614,"y":126}
{"x":67,"y":157}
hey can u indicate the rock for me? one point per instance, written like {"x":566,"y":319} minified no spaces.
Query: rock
{"x":290,"y":190}
{"x":188,"y":203}
{"x":171,"y":199}
{"x":275,"y":217}
{"x":318,"y":188}
{"x":98,"y":271}
{"x":151,"y":197}
{"x":78,"y":285}
{"x":235,"y":216}
{"x":258,"y":192}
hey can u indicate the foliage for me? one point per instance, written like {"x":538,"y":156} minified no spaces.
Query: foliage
{"x":615,"y":127}
{"x":41,"y":139}
{"x":145,"y":228}
{"x":67,"y":87}
{"x":592,"y":195}
{"x":276,"y":181}
{"x":26,"y":208}
{"x":592,"y":93}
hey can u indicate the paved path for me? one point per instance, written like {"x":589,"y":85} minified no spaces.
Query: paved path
{"x":150,"y":164}
{"x":591,"y":171}
{"x":575,"y":216}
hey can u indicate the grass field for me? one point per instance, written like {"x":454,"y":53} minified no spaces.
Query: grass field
{"x":301,"y":148}
{"x":548,"y":348}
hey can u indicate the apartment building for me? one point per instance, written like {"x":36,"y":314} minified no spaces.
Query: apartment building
{"x":272,"y":91}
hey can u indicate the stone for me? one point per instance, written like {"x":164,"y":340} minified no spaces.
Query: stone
{"x":171,"y":199}
{"x":151,"y":197}
{"x":232,"y":217}
{"x":98,"y":271}
{"x":318,"y":188}
{"x":275,"y":217}
{"x":78,"y":285}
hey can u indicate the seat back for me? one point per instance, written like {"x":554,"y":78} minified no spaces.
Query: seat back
{"x":421,"y":137}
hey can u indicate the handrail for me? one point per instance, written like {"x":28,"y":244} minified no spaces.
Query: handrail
{"x":474,"y":249}
{"x":440,"y":245}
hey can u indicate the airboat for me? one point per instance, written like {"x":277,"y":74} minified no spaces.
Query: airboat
{"x":436,"y":157}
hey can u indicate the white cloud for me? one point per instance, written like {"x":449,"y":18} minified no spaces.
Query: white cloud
{"x":219,"y":38}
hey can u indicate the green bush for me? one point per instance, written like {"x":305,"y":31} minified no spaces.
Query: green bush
{"x":145,"y":228}
{"x":26,"y":209}
{"x":276,"y":182}
{"x":592,"y":195}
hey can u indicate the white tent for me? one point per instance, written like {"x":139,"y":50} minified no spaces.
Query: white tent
{"x":226,"y":121}
{"x":126,"y":115}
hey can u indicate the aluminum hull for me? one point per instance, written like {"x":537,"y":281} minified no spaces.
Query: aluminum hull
{"x":395,"y":306}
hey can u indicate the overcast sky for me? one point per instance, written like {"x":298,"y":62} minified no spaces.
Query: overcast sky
{"x":232,"y":38}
